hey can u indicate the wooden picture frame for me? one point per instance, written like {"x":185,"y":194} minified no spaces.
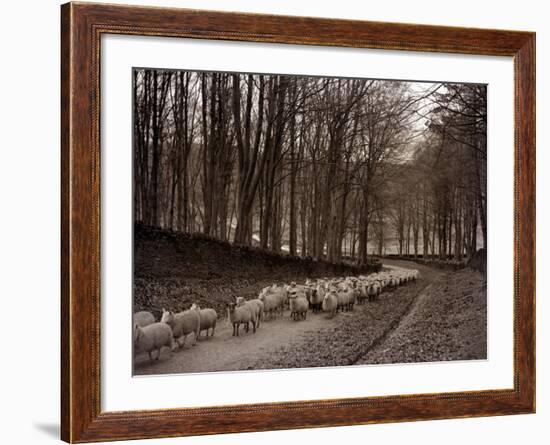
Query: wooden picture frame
{"x":82,"y":26}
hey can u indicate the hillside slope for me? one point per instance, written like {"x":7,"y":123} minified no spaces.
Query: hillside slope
{"x":173,"y":270}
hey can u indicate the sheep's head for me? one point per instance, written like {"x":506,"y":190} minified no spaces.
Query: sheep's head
{"x":167,"y":316}
{"x":231,"y":307}
{"x":239,"y":301}
{"x":195,"y":307}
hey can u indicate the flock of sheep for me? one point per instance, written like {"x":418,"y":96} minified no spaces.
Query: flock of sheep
{"x":326,"y":295}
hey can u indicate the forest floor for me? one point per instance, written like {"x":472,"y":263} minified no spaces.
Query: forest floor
{"x":440,"y":317}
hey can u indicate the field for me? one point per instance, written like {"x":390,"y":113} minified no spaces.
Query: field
{"x":442,"y":316}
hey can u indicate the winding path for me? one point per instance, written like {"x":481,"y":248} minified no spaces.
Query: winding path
{"x":363,"y":336}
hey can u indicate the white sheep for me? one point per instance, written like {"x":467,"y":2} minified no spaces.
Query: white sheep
{"x":298,"y":305}
{"x":346,"y":299}
{"x":183,"y":324}
{"x":152,"y":337}
{"x":208,"y":318}
{"x":316,"y":300}
{"x":274,"y":300}
{"x":257,"y":306}
{"x":143,"y":318}
{"x":243,"y":314}
{"x":373,"y":290}
{"x":330,"y":303}
{"x":307,"y":289}
{"x":363,"y":292}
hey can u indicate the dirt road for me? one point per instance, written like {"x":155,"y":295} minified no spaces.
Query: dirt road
{"x":375,"y":332}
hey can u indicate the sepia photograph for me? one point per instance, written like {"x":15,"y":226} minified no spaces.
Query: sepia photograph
{"x":294,"y":221}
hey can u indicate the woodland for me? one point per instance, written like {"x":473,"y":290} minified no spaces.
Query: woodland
{"x":332,"y":168}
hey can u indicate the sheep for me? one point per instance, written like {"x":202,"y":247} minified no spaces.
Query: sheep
{"x":330,"y":303}
{"x":346,"y":299}
{"x":183,"y":324}
{"x":317,"y":298}
{"x":238,"y":315}
{"x":362,"y":293}
{"x":208,"y":318}
{"x":152,"y":337}
{"x":143,"y":318}
{"x":257,"y":307}
{"x":298,"y":305}
{"x":273,"y":299}
{"x":271,"y":304}
{"x":308,"y":290}
{"x":373,"y":290}
{"x":352,"y":298}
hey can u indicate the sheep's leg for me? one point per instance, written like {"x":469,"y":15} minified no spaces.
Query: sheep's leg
{"x":173,"y":346}
{"x":253,"y":326}
{"x":150,"y":358}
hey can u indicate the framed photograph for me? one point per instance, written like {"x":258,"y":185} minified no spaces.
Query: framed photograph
{"x":274,"y":222}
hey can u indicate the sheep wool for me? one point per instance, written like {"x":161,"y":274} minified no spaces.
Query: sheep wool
{"x":298,"y":305}
{"x":143,"y":318}
{"x":208,"y":318}
{"x":183,"y":324}
{"x":330,"y":303}
{"x":152,"y":337}
{"x":238,"y":315}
